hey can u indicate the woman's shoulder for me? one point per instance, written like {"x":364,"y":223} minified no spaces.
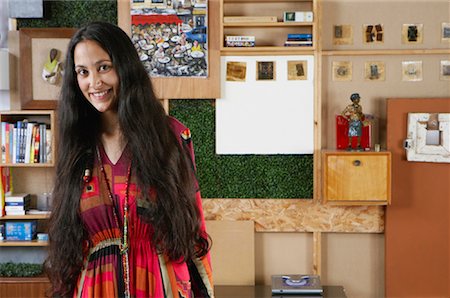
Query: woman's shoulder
{"x":179,"y":128}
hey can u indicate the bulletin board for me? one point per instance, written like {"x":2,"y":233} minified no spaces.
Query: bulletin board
{"x":266,"y":116}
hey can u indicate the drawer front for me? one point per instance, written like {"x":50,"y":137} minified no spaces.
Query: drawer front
{"x":357,"y":178}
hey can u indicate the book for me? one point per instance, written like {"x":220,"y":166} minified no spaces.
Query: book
{"x":48,"y":145}
{"x":3,"y":146}
{"x":19,"y":197}
{"x":299,"y":36}
{"x":16,"y":230}
{"x":250,"y":19}
{"x":239,"y":41}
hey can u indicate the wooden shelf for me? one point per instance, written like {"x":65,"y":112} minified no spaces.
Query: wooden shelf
{"x":25,"y":217}
{"x":268,"y":24}
{"x":28,"y":165}
{"x":263,"y":1}
{"x":26,"y":243}
{"x":385,"y":52}
{"x":267,"y":50}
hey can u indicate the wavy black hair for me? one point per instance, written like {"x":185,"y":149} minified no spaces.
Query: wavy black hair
{"x":158,"y":161}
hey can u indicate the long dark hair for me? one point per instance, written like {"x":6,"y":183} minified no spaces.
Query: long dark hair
{"x":158,"y":161}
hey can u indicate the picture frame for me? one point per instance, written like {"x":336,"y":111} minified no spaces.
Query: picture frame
{"x":445,"y":70}
{"x":236,"y":71}
{"x":265,"y":70}
{"x":445,"y":32}
{"x":412,"y":33}
{"x":35,"y":45}
{"x":373,"y":33}
{"x":184,"y":87}
{"x":412,"y":71}
{"x":297,"y":70}
{"x":342,"y":70}
{"x":342,"y":34}
{"x":374,"y":71}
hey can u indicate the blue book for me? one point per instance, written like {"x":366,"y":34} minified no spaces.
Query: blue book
{"x":299,"y":35}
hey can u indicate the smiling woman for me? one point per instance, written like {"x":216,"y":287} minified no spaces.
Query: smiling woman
{"x":127,"y":219}
{"x":96,"y":75}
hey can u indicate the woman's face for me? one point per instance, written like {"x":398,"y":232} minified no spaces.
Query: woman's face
{"x":96,"y":76}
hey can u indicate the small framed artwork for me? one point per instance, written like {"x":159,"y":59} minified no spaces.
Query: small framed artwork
{"x":412,"y":71}
{"x":342,"y":70}
{"x":445,"y":32}
{"x":342,"y":35}
{"x":374,"y":71}
{"x":445,"y":70}
{"x":289,"y":16}
{"x":236,"y":71}
{"x":373,"y":33}
{"x":297,"y":70}
{"x":412,"y":33}
{"x":42,"y":53}
{"x":265,"y":70}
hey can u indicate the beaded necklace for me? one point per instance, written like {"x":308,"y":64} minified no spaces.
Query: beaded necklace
{"x":124,"y":233}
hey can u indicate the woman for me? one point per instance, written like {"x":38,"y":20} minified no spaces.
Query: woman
{"x":127,"y":218}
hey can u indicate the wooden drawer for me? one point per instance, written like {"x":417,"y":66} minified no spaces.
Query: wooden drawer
{"x":353,"y":178}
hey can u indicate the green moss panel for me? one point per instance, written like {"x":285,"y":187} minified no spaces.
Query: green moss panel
{"x":220,"y":176}
{"x":240,"y":176}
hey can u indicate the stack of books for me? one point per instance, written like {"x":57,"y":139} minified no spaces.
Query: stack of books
{"x":17,"y":204}
{"x":25,"y":142}
{"x":239,"y":41}
{"x":299,"y":40}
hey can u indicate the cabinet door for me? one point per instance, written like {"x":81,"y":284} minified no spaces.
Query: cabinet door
{"x":357,"y":178}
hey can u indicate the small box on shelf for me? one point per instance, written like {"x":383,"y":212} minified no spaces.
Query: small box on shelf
{"x":20,"y":230}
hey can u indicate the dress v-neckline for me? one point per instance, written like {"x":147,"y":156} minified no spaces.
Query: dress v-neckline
{"x":108,"y":160}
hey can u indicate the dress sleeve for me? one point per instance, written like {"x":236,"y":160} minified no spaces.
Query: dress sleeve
{"x":199,"y":268}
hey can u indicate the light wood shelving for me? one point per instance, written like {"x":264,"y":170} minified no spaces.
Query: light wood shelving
{"x":269,"y":36}
{"x":39,"y":116}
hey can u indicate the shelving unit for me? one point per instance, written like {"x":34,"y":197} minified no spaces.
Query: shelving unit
{"x":269,"y":36}
{"x":38,"y":116}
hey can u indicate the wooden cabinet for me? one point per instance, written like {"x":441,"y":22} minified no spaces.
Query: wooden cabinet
{"x":24,"y":286}
{"x":270,"y":36}
{"x":357,"y":178}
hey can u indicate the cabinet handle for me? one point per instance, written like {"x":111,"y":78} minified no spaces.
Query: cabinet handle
{"x":357,"y":163}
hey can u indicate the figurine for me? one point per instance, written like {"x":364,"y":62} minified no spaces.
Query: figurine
{"x":353,"y":113}
{"x":52,"y":67}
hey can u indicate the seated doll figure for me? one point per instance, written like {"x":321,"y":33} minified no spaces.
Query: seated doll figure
{"x":52,"y":70}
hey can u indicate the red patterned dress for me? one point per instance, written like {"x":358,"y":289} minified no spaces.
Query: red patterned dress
{"x":150,"y":274}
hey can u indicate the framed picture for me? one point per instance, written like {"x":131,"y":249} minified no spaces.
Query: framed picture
{"x":265,"y":70}
{"x":236,"y":71}
{"x":342,"y":35}
{"x":374,"y":71}
{"x":412,"y":33}
{"x":42,"y":55}
{"x":342,"y":71}
{"x":373,"y":33}
{"x":297,"y":70}
{"x":445,"y":70}
{"x":445,"y":32}
{"x":412,"y":71}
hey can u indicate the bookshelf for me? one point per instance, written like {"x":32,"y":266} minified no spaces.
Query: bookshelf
{"x":46,"y":117}
{"x":269,"y":35}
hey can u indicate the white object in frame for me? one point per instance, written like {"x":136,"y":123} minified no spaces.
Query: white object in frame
{"x":266,"y":117}
{"x":424,"y":145}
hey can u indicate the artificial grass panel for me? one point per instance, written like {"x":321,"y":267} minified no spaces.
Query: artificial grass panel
{"x":73,"y":14}
{"x":240,"y":176}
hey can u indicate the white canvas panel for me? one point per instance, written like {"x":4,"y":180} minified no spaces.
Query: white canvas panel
{"x":266,"y":117}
